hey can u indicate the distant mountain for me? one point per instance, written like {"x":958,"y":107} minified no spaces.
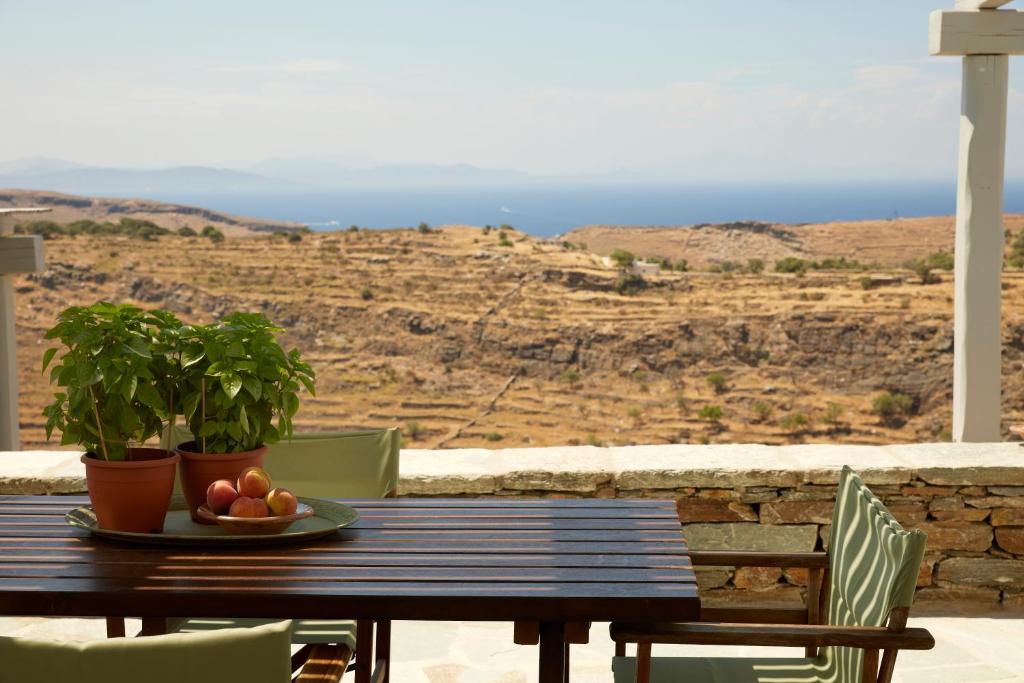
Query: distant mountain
{"x":120,"y":181}
{"x":341,"y":172}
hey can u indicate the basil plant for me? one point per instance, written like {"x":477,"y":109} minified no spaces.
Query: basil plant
{"x":237,"y":388}
{"x":113,"y":377}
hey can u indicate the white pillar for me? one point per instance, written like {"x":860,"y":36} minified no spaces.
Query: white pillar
{"x":9,"y":440}
{"x":977,"y":348}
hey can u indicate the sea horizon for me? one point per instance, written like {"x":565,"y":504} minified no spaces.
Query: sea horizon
{"x":550,"y":210}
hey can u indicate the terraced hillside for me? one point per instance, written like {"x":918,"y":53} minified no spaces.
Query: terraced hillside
{"x":465,"y":342}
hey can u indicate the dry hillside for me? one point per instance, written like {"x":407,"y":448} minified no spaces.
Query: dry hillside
{"x":466,"y":342}
{"x":66,"y":208}
{"x":883,"y":242}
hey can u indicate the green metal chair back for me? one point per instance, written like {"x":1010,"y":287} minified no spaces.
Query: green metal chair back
{"x":873,"y":570}
{"x":337,"y":464}
{"x":254,"y":655}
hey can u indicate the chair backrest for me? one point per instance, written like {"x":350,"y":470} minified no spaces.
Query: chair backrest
{"x":337,"y":464}
{"x":330,"y":464}
{"x":255,"y":655}
{"x":873,"y":568}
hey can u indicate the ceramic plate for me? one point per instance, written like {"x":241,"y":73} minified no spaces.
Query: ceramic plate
{"x":179,"y":529}
{"x":254,"y":526}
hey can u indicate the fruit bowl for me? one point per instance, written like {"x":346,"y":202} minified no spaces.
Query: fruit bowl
{"x":254,"y":525}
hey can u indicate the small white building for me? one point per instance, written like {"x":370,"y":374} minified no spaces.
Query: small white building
{"x":638,"y":267}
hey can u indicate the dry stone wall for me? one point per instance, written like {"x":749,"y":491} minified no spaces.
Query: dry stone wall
{"x":968,"y":498}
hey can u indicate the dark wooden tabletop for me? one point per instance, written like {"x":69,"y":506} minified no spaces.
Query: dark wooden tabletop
{"x":449,"y":559}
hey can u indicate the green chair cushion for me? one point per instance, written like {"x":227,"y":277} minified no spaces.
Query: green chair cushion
{"x":304,"y":631}
{"x":724,"y":670}
{"x":257,"y":655}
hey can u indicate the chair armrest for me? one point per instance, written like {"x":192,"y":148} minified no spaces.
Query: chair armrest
{"x":731,"y":558}
{"x":797,"y":635}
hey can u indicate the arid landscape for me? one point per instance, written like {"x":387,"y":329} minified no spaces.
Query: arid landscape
{"x":473,"y":337}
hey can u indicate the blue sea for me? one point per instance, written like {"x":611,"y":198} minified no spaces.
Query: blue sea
{"x":546,"y":210}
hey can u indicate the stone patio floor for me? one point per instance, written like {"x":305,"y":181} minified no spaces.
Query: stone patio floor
{"x":968,"y":649}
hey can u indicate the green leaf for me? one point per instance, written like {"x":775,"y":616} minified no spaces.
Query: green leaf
{"x":232,"y":384}
{"x":139,"y":347}
{"x":149,"y":396}
{"x":191,"y":355}
{"x":234,"y":430}
{"x":308,"y":383}
{"x":128,"y":386}
{"x":243,"y":420}
{"x":208,"y":429}
{"x":48,"y":356}
{"x":253,"y":386}
{"x":291,"y":404}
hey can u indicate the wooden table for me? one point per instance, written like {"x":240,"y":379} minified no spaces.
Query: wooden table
{"x":548,"y":561}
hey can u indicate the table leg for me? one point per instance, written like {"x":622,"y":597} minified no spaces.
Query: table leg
{"x":115,"y":627}
{"x":364,"y":651}
{"x":552,"y":652}
{"x":565,"y":669}
{"x":153,"y":626}
{"x":383,"y":647}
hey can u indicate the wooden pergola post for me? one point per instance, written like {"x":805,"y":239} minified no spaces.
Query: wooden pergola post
{"x":984,"y":36}
{"x":18,"y":254}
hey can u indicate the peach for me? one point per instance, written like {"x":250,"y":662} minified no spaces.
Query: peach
{"x":220,"y":495}
{"x":244,"y":506}
{"x":282,"y":502}
{"x":253,"y":482}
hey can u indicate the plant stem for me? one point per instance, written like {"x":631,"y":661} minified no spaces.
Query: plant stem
{"x":170,"y":421}
{"x":202,"y":393}
{"x":99,"y":426}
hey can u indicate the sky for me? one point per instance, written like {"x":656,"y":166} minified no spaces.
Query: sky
{"x":675,"y":90}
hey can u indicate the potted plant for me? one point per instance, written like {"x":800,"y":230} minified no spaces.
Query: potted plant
{"x":110,"y":403}
{"x":238,"y":391}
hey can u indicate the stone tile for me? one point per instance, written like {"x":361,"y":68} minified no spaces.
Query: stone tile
{"x":981,"y":571}
{"x":1006,"y":490}
{"x":957,"y":535}
{"x":797,"y":512}
{"x":751,"y":536}
{"x":996,"y":502}
{"x":757,"y":578}
{"x":714,"y":510}
{"x":1007,"y":517}
{"x":1011,"y":539}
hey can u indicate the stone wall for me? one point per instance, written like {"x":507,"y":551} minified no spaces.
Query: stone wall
{"x":968,"y":498}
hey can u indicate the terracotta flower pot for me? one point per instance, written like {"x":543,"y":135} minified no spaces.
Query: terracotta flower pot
{"x":199,"y":470}
{"x":131,"y":495}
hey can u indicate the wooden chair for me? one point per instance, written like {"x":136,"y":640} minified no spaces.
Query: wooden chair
{"x":324,"y":465}
{"x":256,"y":655}
{"x":869,"y":574}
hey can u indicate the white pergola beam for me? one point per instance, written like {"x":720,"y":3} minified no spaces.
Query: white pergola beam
{"x":985,"y":32}
{"x":981,"y":4}
{"x":977,"y":330}
{"x":21,"y":254}
{"x":18,"y":254}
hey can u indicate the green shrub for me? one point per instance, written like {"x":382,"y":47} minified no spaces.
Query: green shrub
{"x":718,"y":382}
{"x":353,"y":228}
{"x":424,"y":228}
{"x":892,"y":409}
{"x":622,"y":259}
{"x":833,"y":411}
{"x":630,"y":284}
{"x":763,"y":411}
{"x":413,"y":430}
{"x":711,"y":413}
{"x":924,"y":272}
{"x":794,"y":422}
{"x":295,"y":237}
{"x":940,"y":260}
{"x":494,"y":436}
{"x":366,"y":294}
{"x":571,"y":376}
{"x":212,"y":233}
{"x":503,"y":240}
{"x":755,"y":265}
{"x":186,"y":231}
{"x":791,"y":264}
{"x":682,"y":265}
